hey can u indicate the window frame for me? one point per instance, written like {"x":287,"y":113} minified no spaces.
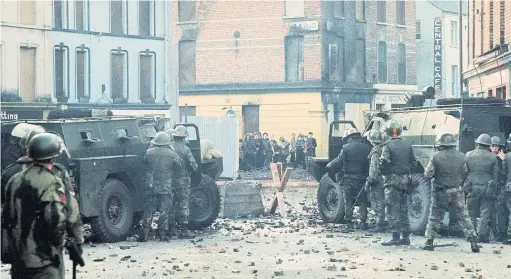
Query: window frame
{"x":124,"y":19}
{"x":86,"y":13}
{"x":179,"y":19}
{"x":405,"y":64}
{"x":152,"y":17}
{"x":65,"y":71}
{"x":453,"y":30}
{"x":363,"y":10}
{"x":454,"y":81}
{"x":386,"y":63}
{"x":65,"y":13}
{"x":301,"y":59}
{"x":34,"y":13}
{"x":418,"y":30}
{"x":151,"y":54}
{"x":401,"y":18}
{"x":87,"y":71}
{"x":179,"y":62}
{"x":364,"y":74}
{"x":381,"y":16}
{"x":120,"y":51}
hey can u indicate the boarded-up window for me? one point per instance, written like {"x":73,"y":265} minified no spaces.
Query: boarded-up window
{"x":381,"y":11}
{"x":186,"y":10}
{"x":60,"y":72}
{"x":27,"y":12}
{"x":360,"y":9}
{"x":27,"y":73}
{"x":501,"y":92}
{"x":119,"y":71}
{"x":418,"y":34}
{"x":382,"y":61}
{"x":400,"y":12}
{"x":360,"y":62}
{"x":336,"y":60}
{"x":117,"y":16}
{"x":187,"y":111}
{"x":250,"y":118}
{"x":187,"y":62}
{"x":144,"y":17}
{"x":80,"y":15}
{"x":58,"y":14}
{"x":502,"y":22}
{"x":82,"y":73}
{"x":401,"y":63}
{"x":146,"y":75}
{"x":294,"y":8}
{"x":337,"y":8}
{"x":294,"y":58}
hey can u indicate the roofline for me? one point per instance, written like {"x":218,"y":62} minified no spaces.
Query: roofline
{"x":450,"y":12}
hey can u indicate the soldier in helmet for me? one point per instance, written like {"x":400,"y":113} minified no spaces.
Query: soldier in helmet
{"x":170,"y":132}
{"x":396,"y":163}
{"x":163,"y":166}
{"x":482,"y":185}
{"x":506,"y":191}
{"x":181,"y":185}
{"x":35,"y":213}
{"x":353,"y":164}
{"x":501,"y":214}
{"x":449,"y":168}
{"x":374,"y":184}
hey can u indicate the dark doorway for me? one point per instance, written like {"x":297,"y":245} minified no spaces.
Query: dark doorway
{"x":250,"y":119}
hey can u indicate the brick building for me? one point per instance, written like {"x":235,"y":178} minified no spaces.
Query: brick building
{"x":294,"y":66}
{"x":489,"y":33}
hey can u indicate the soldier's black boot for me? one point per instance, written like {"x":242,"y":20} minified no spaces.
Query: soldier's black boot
{"x":378,"y":229}
{"x":473,"y":245}
{"x":406,"y":238}
{"x":507,"y":241}
{"x":394,"y":242}
{"x":364,"y":226}
{"x":429,"y":245}
{"x":500,"y":237}
{"x":186,"y":234}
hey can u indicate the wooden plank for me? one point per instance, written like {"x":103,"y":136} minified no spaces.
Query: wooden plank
{"x":282,"y":204}
{"x":276,"y":203}
{"x":285,"y":179}
{"x":275,"y":173}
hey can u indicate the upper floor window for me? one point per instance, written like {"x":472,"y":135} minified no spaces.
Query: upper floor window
{"x":145,"y":17}
{"x":186,"y":10}
{"x":401,"y":63}
{"x":147,"y":76}
{"x":61,"y":71}
{"x":381,"y":11}
{"x":336,"y":60}
{"x":59,"y":14}
{"x":119,"y":74}
{"x":81,"y":14}
{"x":82,"y":73}
{"x":295,"y":8}
{"x":337,"y":8}
{"x":118,"y":16}
{"x":360,"y":9}
{"x":187,"y":62}
{"x":400,"y":12}
{"x":27,"y":12}
{"x":360,"y":61}
{"x":294,"y":58}
{"x":382,"y":62}
{"x":418,"y":34}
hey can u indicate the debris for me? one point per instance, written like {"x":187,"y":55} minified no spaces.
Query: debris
{"x":98,"y":260}
{"x":353,"y":267}
{"x":113,"y":255}
{"x":236,"y":271}
{"x":461,"y":264}
{"x":279,"y":273}
{"x":330,"y":253}
{"x":254,"y":271}
{"x":221,"y":251}
{"x":125,"y":258}
{"x":186,"y":264}
{"x":110,"y":246}
{"x":434,"y":267}
{"x":329,"y":236}
{"x":236,"y":249}
{"x":307,"y":252}
{"x":144,"y":273}
{"x":133,"y":260}
{"x":331,"y":267}
{"x":343,"y":268}
{"x":468,"y":269}
{"x":496,"y":252}
{"x":125,"y":247}
{"x":279,"y":261}
{"x":251,"y":264}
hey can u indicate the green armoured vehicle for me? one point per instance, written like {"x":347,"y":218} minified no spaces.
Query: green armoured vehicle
{"x":104,"y":159}
{"x":420,"y":127}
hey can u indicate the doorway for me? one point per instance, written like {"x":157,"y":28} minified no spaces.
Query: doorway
{"x":250,"y":115}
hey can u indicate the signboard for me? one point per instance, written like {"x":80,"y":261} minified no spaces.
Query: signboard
{"x":21,"y":114}
{"x":392,"y":99}
{"x":306,"y":25}
{"x":437,"y":45}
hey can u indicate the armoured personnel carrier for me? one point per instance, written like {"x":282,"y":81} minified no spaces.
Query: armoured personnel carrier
{"x":104,"y":159}
{"x":466,"y":119}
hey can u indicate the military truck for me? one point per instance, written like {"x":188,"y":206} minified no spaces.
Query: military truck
{"x":464,"y":118}
{"x":104,"y":159}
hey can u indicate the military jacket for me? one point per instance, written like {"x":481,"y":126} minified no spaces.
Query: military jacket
{"x":186,"y":154}
{"x":482,"y":166}
{"x":374,"y":171}
{"x":397,"y":157}
{"x":163,"y":165}
{"x":448,"y":167}
{"x":353,"y":159}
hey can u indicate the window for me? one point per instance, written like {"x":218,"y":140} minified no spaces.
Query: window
{"x":27,"y":12}
{"x":400,"y":12}
{"x":61,"y":71}
{"x":119,"y":75}
{"x":186,"y":10}
{"x":81,"y":14}
{"x":86,"y":135}
{"x":145,"y":16}
{"x":337,"y":8}
{"x":336,"y":60}
{"x":382,"y":61}
{"x":294,"y":58}
{"x":380,"y":107}
{"x":27,"y":73}
{"x":502,"y":24}
{"x":82,"y":73}
{"x":360,"y":9}
{"x":491,"y":24}
{"x":381,"y":11}
{"x":454,"y":33}
{"x":490,"y":93}
{"x":360,"y":75}
{"x":454,"y":80}
{"x":118,"y":17}
{"x":187,"y":62}
{"x":501,"y":92}
{"x":418,"y":29}
{"x":294,"y":8}
{"x":401,"y":63}
{"x":147,"y":76}
{"x":58,"y":14}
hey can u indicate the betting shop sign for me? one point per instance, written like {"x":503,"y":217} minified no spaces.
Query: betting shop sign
{"x":438,"y":55}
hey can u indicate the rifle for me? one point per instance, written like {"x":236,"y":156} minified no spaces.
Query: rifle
{"x":74,"y":254}
{"x":356,"y":199}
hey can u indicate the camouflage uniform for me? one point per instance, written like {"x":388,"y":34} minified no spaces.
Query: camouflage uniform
{"x":353,"y":162}
{"x":35,"y":212}
{"x":181,"y":188}
{"x":501,"y":208}
{"x":506,"y":194}
{"x":396,"y":162}
{"x":481,"y":185}
{"x":163,"y":166}
{"x":448,"y":167}
{"x":375,"y":180}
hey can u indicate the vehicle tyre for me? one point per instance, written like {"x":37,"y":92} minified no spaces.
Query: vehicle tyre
{"x":330,"y":200}
{"x":204,"y":204}
{"x":419,"y":201}
{"x":115,"y":219}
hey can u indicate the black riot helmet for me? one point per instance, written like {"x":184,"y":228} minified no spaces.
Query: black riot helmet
{"x":375,"y":137}
{"x":44,"y":146}
{"x":393,"y":129}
